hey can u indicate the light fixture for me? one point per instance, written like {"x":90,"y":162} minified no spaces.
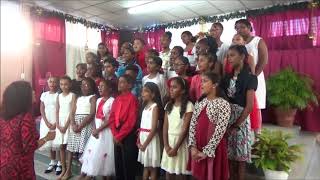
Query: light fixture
{"x":155,"y":6}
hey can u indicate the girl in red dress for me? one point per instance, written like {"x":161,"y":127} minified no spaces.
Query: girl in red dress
{"x":208,"y":125}
{"x":18,"y":133}
{"x":140,"y":50}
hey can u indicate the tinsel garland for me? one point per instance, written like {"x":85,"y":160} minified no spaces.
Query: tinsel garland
{"x":239,"y":14}
{"x":41,"y":12}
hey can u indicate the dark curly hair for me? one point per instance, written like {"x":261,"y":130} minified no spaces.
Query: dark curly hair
{"x":17,"y":99}
{"x":184,"y":98}
{"x":246,"y":22}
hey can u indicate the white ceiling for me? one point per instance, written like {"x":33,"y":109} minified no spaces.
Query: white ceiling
{"x":115,"y":13}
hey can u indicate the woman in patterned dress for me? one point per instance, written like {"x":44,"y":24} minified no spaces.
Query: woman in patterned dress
{"x":240,"y":86}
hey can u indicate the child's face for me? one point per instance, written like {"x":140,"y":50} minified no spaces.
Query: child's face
{"x":102,"y":49}
{"x":234,"y":58}
{"x":185,"y":39}
{"x":92,"y":71}
{"x":147,"y":55}
{"x":203,"y":63}
{"x":85,"y":88}
{"x":179,"y":67}
{"x":131,"y":73}
{"x":89,"y":59}
{"x":109,"y":69}
{"x":215,"y":31}
{"x":238,"y":40}
{"x":174,"y":54}
{"x":81,"y":72}
{"x":206,"y":85}
{"x":175,"y":90}
{"x":152,"y":66}
{"x":137,"y":45}
{"x":123,"y":85}
{"x":201,"y":48}
{"x":103,"y":89}
{"x":65,"y":85}
{"x":53,"y":84}
{"x":127,"y":55}
{"x":165,"y":41}
{"x":146,"y":94}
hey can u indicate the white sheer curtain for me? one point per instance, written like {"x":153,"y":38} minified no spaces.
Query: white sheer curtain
{"x":226,"y":36}
{"x":77,"y":38}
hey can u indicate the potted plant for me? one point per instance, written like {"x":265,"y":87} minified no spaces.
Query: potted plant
{"x":274,"y":155}
{"x":288,"y":91}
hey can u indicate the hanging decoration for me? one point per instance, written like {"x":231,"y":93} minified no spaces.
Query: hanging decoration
{"x":239,"y":14}
{"x":42,"y":12}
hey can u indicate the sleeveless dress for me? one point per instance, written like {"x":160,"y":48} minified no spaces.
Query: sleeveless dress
{"x":159,"y":80}
{"x":98,"y":156}
{"x":177,"y":164}
{"x":252,"y":48}
{"x":78,"y":141}
{"x":49,"y":100}
{"x":151,"y":157}
{"x":65,"y":105}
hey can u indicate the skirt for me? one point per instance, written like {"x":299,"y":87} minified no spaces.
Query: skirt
{"x":98,"y":156}
{"x":78,"y":141}
{"x":43,"y":132}
{"x":61,"y":138}
{"x":178,"y":164}
{"x":239,"y":142}
{"x":151,"y":157}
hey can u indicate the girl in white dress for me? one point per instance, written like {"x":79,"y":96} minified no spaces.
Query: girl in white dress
{"x":48,"y":121}
{"x":65,"y":100}
{"x":178,"y":112}
{"x":82,"y":116}
{"x":154,"y":64}
{"x":148,"y":139}
{"x":98,"y":156}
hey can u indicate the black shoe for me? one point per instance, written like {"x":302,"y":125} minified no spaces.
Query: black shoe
{"x":50,"y":169}
{"x":58,"y":170}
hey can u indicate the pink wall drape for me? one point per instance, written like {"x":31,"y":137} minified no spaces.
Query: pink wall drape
{"x":49,"y":52}
{"x":286,"y":34}
{"x":111,"y":39}
{"x":152,"y":38}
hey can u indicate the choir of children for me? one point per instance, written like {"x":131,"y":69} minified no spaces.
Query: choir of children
{"x":208,"y":140}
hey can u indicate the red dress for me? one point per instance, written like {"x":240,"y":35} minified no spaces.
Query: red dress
{"x":18,"y":137}
{"x":210,"y":168}
{"x":195,"y":88}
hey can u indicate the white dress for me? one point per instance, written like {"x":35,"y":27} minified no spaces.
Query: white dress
{"x":151,"y":157}
{"x":168,"y":71}
{"x":158,"y":80}
{"x":78,"y":141}
{"x":177,"y":164}
{"x":252,"y":48}
{"x":49,"y":101}
{"x":98,"y":156}
{"x":65,"y":105}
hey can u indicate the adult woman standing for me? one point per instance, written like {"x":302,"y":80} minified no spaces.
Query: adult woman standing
{"x":18,"y":133}
{"x":239,"y":86}
{"x":257,"y":47}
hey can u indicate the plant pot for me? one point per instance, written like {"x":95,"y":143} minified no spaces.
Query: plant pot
{"x":275,"y":175}
{"x":285,"y":118}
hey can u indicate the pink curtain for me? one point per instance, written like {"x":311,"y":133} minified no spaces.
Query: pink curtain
{"x":152,"y":38}
{"x":111,"y":39}
{"x":287,"y":38}
{"x":289,"y":29}
{"x":49,"y":52}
